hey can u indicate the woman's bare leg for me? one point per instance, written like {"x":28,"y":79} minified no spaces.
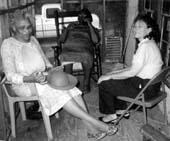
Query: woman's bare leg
{"x":79,"y":100}
{"x":73,"y":108}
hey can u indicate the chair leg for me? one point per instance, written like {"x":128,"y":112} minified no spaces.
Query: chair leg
{"x":47,"y":125}
{"x":144,"y":110}
{"x":137,"y":108}
{"x":96,"y":67}
{"x":22,"y":109}
{"x":120,"y":117}
{"x":165,"y":112}
{"x":68,"y":68}
{"x":145,"y":114}
{"x":99,"y":67}
{"x":12,"y":118}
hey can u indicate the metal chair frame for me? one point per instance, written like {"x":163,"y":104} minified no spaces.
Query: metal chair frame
{"x":140,"y":100}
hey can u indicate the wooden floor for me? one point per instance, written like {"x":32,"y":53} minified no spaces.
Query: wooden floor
{"x":69,"y":128}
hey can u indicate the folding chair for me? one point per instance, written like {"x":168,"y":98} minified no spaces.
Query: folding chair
{"x":140,"y":100}
{"x":13,"y":98}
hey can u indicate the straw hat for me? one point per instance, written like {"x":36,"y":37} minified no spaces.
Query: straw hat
{"x":61,"y":80}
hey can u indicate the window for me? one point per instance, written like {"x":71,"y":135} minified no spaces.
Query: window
{"x":166,"y":7}
{"x":50,"y":13}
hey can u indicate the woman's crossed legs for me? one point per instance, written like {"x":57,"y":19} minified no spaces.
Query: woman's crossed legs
{"x":76,"y":107}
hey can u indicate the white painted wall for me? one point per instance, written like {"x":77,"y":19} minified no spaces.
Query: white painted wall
{"x":132,"y":11}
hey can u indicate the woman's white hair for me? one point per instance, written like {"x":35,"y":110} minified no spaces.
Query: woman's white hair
{"x":18,"y":15}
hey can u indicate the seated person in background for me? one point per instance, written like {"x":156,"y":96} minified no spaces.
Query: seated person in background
{"x":78,"y":40}
{"x":24,"y":63}
{"x":146,"y":62}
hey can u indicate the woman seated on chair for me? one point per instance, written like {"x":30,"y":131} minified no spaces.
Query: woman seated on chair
{"x":78,"y":41}
{"x":24,"y":63}
{"x":128,"y":82}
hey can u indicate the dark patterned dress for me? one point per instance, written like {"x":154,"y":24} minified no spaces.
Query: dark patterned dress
{"x":78,"y":46}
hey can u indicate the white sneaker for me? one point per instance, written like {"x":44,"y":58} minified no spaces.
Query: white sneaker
{"x":120,"y":112}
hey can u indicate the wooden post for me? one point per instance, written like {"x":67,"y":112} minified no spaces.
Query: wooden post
{"x":3,"y":120}
{"x":132,"y":11}
{"x":103,"y":30}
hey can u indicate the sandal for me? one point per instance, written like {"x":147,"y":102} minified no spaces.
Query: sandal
{"x":126,"y":115}
{"x":98,"y":136}
{"x":112,"y":130}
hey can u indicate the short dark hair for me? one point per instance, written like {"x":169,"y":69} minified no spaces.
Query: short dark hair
{"x":151,"y":23}
{"x":87,"y":13}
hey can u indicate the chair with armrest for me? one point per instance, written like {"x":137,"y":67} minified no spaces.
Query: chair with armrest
{"x":13,"y":98}
{"x":62,"y":20}
{"x":139,"y":100}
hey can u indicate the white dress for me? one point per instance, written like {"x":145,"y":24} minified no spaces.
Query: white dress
{"x":22,"y":59}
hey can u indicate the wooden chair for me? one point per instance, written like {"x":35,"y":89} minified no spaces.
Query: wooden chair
{"x":140,"y":100}
{"x":13,"y":98}
{"x":61,"y":20}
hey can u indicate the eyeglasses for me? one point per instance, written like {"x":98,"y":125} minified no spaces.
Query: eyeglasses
{"x":139,"y":27}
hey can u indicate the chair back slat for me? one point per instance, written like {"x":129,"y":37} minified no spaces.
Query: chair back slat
{"x":8,"y":90}
{"x":6,"y":85}
{"x":161,"y":76}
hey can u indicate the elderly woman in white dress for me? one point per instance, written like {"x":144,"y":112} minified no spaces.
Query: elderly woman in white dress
{"x":23,"y":59}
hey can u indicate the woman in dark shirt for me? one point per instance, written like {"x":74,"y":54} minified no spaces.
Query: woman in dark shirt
{"x":78,"y":41}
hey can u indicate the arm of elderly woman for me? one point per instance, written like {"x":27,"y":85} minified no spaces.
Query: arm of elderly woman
{"x":8,"y":60}
{"x":34,"y":78}
{"x":7,"y":53}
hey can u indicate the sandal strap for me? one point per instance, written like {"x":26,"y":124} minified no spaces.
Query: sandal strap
{"x":112,"y":130}
{"x":97,"y":136}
